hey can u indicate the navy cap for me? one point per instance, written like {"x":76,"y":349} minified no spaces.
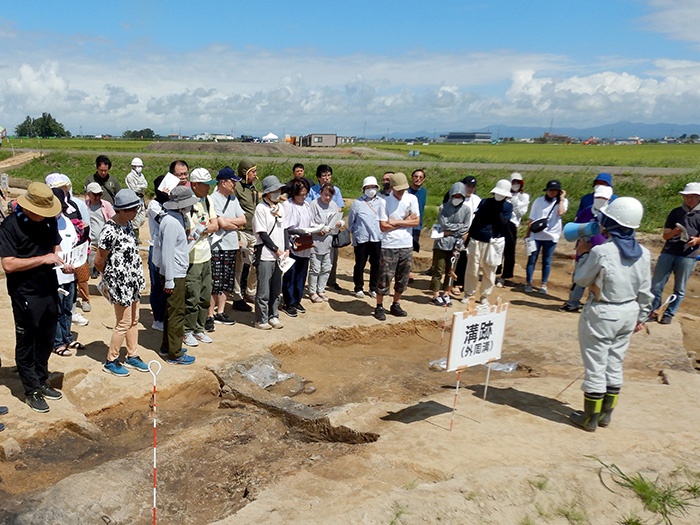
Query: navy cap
{"x":227,"y":173}
{"x":469,"y":181}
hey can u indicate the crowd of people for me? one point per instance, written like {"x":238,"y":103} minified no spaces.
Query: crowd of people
{"x":219,"y":239}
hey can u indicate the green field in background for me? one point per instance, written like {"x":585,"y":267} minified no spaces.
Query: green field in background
{"x":658,"y":193}
{"x":655,"y":155}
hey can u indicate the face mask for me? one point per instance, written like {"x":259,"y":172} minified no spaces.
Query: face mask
{"x":499,"y":197}
{"x":386,"y":186}
{"x":275,"y":196}
{"x":187,"y":210}
{"x":515,"y":187}
{"x":139,"y":169}
{"x":371,"y":192}
{"x":457,"y":201}
{"x":599,"y":204}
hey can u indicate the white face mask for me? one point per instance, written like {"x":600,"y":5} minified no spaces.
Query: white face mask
{"x":138,"y":169}
{"x":457,"y":201}
{"x":599,"y":204}
{"x":275,"y":196}
{"x":516,"y":186}
{"x":371,"y":192}
{"x":499,"y":197}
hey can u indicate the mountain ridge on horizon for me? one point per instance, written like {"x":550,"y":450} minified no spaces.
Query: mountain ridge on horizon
{"x":620,"y":130}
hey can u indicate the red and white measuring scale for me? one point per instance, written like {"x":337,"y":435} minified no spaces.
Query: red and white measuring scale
{"x":154,"y":369}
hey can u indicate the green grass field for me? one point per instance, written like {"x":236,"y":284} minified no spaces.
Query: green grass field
{"x":656,"y":155}
{"x":78,"y":144}
{"x":653,"y":155}
{"x":659,"y":194}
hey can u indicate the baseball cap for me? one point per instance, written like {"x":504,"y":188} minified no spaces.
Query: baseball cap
{"x":227,"y":173}
{"x":201,"y":175}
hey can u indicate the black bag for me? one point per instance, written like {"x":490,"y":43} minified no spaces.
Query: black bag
{"x":540,"y":224}
{"x":342,"y":239}
{"x":256,"y":255}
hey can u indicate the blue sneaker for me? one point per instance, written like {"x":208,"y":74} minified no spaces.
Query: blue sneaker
{"x":3,"y":411}
{"x":115,"y":367}
{"x":136,"y":363}
{"x":164,"y":353}
{"x":184,"y":359}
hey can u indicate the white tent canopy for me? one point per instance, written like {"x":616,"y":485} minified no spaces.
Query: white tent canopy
{"x":270,"y":137}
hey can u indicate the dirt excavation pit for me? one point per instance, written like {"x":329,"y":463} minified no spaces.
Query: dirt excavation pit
{"x":391,"y":364}
{"x":222,"y":439}
{"x":214,"y":456}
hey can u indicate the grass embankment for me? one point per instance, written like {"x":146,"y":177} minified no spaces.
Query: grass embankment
{"x":5,"y":154}
{"x":659,"y":194}
{"x":655,"y":155}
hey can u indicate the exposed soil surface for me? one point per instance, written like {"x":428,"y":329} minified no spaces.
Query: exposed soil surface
{"x":223,"y":457}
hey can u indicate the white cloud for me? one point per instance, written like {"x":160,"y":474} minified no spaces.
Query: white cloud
{"x":679,"y":19}
{"x":93,"y":84}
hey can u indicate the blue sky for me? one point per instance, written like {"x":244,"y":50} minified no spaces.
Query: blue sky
{"x":300,"y":67}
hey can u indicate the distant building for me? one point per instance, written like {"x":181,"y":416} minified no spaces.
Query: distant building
{"x":319,"y":140}
{"x":344,"y":140}
{"x":466,"y":137}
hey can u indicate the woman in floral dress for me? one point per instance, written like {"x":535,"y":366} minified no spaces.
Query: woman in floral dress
{"x":119,"y":262}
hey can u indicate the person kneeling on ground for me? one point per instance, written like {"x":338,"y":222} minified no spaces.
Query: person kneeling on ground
{"x":618,"y":274}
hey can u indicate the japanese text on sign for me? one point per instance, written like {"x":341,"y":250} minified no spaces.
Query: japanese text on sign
{"x":476,"y":339}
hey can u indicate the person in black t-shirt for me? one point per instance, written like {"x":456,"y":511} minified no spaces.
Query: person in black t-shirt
{"x":29,"y":241}
{"x":678,"y":256}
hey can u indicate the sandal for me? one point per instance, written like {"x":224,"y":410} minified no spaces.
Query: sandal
{"x":76,"y":345}
{"x":62,"y":351}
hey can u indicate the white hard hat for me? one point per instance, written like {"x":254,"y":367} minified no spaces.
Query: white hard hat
{"x":515,"y":176}
{"x":369,"y":181}
{"x":136,"y":162}
{"x":626,"y":211}
{"x":502,"y":188}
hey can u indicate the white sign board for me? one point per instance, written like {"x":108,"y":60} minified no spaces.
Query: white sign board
{"x":476,"y":339}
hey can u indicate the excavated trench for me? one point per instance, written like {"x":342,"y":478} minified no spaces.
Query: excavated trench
{"x":222,"y":439}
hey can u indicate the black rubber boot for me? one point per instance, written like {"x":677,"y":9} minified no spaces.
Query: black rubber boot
{"x":588,"y":419}
{"x":609,"y":403}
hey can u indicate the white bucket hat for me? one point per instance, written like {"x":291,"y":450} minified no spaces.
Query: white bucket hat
{"x":369,"y":181}
{"x":502,"y":188}
{"x":692,"y":188}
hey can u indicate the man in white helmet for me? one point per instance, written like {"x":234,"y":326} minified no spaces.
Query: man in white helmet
{"x":138,"y":183}
{"x":488,"y":228}
{"x":618,"y":273}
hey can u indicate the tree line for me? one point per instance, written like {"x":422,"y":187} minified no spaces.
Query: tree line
{"x":45,"y":126}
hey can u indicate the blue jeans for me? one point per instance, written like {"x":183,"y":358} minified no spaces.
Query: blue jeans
{"x":293,"y":281}
{"x":547,"y":248}
{"x":576,"y":293}
{"x":64,"y":337}
{"x":157,"y":295}
{"x":681,"y":267}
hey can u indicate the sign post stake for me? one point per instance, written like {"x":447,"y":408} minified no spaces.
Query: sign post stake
{"x":154,"y":372}
{"x":486,"y":389}
{"x":454,"y":406}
